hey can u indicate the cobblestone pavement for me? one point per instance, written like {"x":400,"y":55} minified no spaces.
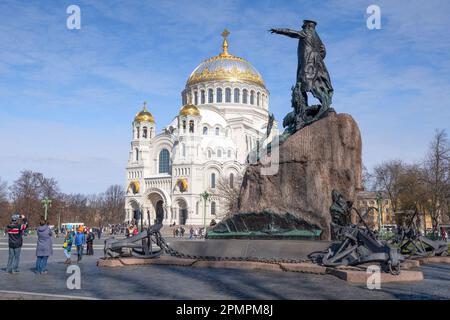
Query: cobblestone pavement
{"x":170,"y":282}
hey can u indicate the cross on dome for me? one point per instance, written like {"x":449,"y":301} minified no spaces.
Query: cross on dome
{"x":225,"y":35}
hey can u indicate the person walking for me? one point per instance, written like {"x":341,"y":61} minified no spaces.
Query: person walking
{"x":67,"y":246}
{"x":196,"y":233}
{"x":182,"y":232}
{"x":191,"y":233}
{"x":44,"y":247}
{"x":90,"y":243}
{"x":80,"y":241}
{"x":15,"y":232}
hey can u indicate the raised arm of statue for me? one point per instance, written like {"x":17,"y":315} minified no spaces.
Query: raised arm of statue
{"x":287,"y":32}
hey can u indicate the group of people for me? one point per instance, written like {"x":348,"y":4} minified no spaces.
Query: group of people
{"x":82,"y":236}
{"x":131,"y":230}
{"x":178,"y":232}
{"x":44,"y":248}
{"x":194,"y":233}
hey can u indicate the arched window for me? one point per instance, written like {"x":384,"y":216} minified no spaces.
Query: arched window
{"x":252,"y":97}
{"x":138,"y":132}
{"x":213,"y":208}
{"x":244,"y":96}
{"x":202,"y":96}
{"x":137,"y":154}
{"x":210,"y":95}
{"x":205,"y":130}
{"x":184,"y":125}
{"x":196,"y":98}
{"x":164,"y":161}
{"x":236,"y":95}
{"x":144,"y":133}
{"x":258,"y":96}
{"x":229,"y":154}
{"x":219,"y":153}
{"x":213,"y":180}
{"x":227,"y":95}
{"x":219,"y":95}
{"x":191,"y":126}
{"x":231,"y":180}
{"x":217,"y":131}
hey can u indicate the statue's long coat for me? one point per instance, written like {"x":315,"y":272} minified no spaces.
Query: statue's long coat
{"x":311,"y":71}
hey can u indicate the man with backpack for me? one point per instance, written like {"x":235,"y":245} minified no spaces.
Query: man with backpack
{"x":15,"y":232}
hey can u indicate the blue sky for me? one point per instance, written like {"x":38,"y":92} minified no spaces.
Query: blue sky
{"x":68,"y":97}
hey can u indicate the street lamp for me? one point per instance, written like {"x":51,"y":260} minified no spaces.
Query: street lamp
{"x":380,"y":211}
{"x":47,"y":203}
{"x":205,"y":195}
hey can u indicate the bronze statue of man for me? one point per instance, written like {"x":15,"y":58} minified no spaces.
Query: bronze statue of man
{"x":312,"y":74}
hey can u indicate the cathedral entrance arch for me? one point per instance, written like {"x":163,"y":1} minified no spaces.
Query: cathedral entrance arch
{"x":182,"y":211}
{"x":135,"y":209}
{"x":157,"y":207}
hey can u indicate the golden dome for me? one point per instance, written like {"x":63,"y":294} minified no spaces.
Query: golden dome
{"x":144,"y":115}
{"x":189,"y":110}
{"x":225,"y":66}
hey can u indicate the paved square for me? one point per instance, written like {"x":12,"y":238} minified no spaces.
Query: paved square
{"x":171,"y":282}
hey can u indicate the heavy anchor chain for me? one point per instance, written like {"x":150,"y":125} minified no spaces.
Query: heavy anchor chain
{"x":175,"y":253}
{"x":150,"y":244}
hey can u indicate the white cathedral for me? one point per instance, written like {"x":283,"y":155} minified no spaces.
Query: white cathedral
{"x":172,"y":176}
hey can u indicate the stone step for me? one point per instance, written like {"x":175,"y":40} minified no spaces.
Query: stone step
{"x":350,"y":274}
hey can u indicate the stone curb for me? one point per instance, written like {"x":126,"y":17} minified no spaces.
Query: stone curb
{"x":361,"y":276}
{"x":110,"y":263}
{"x":349,"y":274}
{"x":409,"y":264}
{"x":303,"y":267}
{"x":164,"y":260}
{"x":246,"y":265}
{"x":431,"y":260}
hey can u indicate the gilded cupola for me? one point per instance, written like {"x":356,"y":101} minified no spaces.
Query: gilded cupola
{"x":144,"y":115}
{"x":225,"y":67}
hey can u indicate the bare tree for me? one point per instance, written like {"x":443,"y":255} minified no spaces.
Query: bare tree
{"x":387,"y":179}
{"x":367,"y":179}
{"x":28,"y":191}
{"x":227,"y":190}
{"x":436,"y":166}
{"x":4,"y":203}
{"x":414,"y":195}
{"x":25,"y":194}
{"x":114,"y":204}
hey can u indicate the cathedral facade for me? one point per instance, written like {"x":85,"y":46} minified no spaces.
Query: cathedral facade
{"x":173,"y":176}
